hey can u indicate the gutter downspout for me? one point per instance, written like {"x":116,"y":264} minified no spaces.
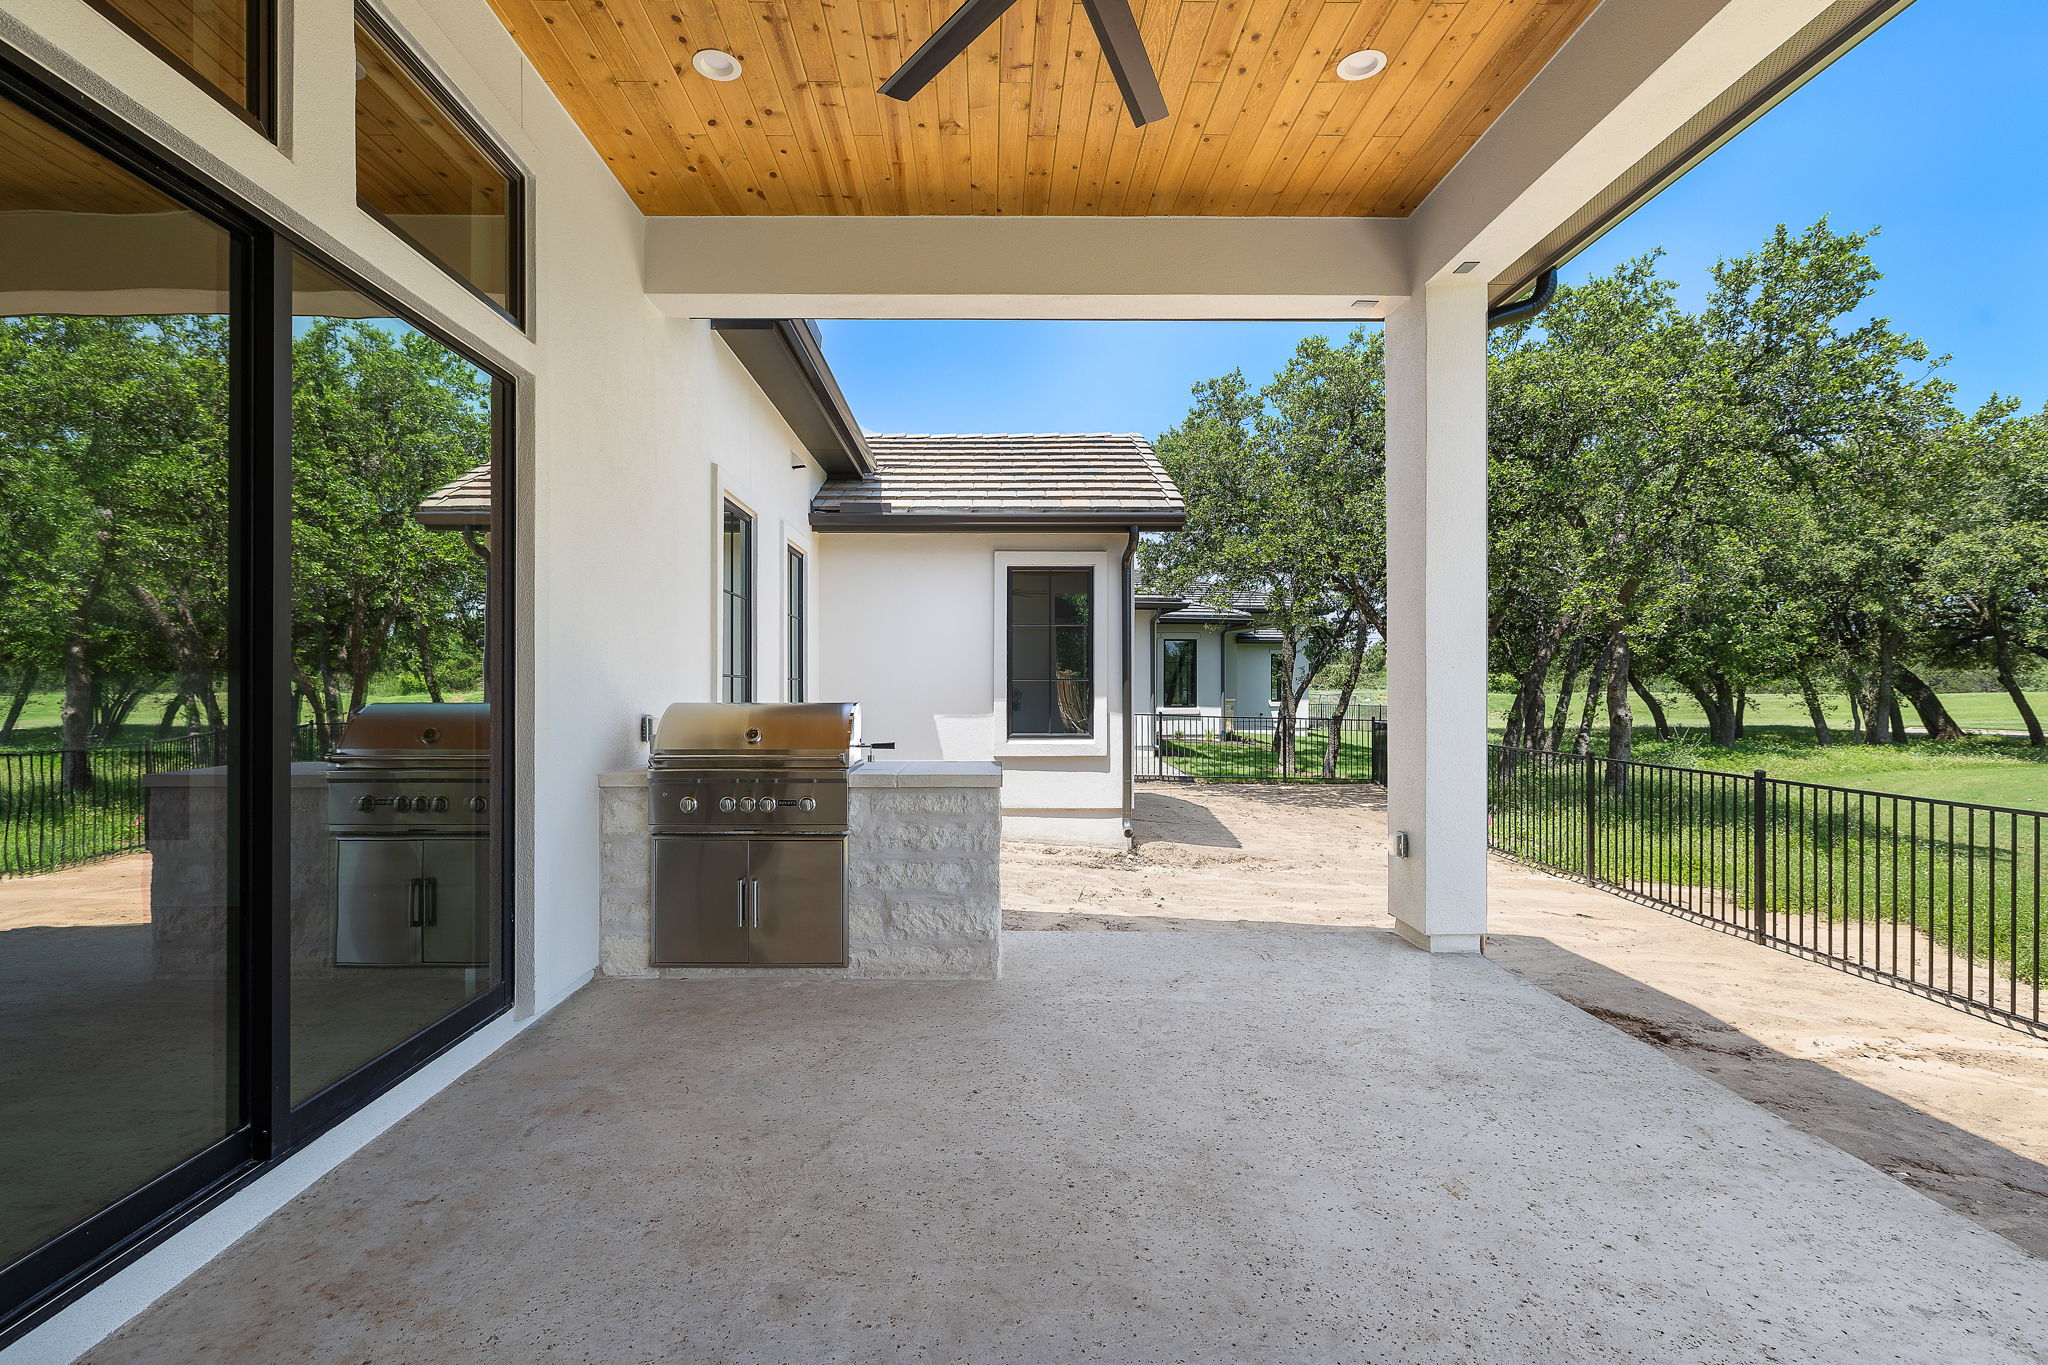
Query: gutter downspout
{"x":1130,"y":642}
{"x":1539,"y":297}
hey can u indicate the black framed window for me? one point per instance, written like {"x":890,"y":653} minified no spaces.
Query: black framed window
{"x":1177,"y":672}
{"x":736,"y":601}
{"x":798,"y":592}
{"x":234,"y":470}
{"x":1051,"y":652}
{"x":1282,"y":685}
{"x":224,"y":47}
{"x":430,"y":173}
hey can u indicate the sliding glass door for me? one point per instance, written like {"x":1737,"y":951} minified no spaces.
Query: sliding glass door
{"x":252,"y":784}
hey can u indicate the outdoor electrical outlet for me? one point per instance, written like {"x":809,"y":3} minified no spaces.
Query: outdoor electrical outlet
{"x":647,"y":729}
{"x":1401,"y":843}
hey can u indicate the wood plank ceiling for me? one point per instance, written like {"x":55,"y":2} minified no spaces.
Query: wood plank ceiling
{"x":1029,"y":120}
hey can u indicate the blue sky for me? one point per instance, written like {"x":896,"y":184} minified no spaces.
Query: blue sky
{"x":1935,"y":130}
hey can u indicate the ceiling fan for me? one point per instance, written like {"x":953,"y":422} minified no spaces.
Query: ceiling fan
{"x":1116,"y":28}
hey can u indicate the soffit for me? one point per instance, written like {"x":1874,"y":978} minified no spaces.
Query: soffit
{"x":1029,"y":119}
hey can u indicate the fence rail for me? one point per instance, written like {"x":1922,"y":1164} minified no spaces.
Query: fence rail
{"x":1941,"y":897}
{"x":1169,"y":748}
{"x":63,"y":807}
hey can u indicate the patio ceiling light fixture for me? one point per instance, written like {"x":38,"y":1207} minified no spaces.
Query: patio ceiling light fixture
{"x":1116,"y":28}
{"x":1361,"y":64}
{"x":714,"y":65}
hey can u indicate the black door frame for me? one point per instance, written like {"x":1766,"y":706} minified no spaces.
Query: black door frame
{"x":265,"y":1128}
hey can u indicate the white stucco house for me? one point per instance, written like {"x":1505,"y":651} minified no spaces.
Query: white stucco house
{"x":1211,"y":662}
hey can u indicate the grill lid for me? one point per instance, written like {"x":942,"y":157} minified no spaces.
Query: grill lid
{"x":780,"y":729}
{"x":446,"y":732}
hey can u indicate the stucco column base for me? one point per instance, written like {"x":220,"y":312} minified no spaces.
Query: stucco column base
{"x":1440,"y":943}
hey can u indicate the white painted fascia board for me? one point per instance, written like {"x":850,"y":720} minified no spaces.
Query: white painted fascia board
{"x":1634,"y":73}
{"x":1038,"y":267}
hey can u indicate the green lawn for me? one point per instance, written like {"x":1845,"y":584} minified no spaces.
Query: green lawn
{"x":1254,"y":758}
{"x":37,"y":728}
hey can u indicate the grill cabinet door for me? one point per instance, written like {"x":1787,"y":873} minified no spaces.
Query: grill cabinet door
{"x":455,"y":888}
{"x":377,"y":903}
{"x":799,"y":912}
{"x":699,"y":901}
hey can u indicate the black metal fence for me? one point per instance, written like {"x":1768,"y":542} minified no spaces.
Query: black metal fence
{"x":51,"y":819}
{"x":1941,"y":897}
{"x":1248,"y":749}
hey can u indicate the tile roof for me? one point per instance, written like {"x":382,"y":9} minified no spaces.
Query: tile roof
{"x":466,"y":502}
{"x":1099,"y":479}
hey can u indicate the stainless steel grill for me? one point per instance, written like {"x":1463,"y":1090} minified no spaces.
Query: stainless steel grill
{"x":408,"y":803}
{"x":748,"y":822}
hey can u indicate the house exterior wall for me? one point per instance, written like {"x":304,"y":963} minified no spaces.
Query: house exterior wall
{"x":910,"y":627}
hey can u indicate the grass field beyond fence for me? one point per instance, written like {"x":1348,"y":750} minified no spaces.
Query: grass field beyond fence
{"x":1943,"y":896}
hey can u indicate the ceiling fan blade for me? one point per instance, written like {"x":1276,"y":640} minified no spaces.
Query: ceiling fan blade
{"x":948,"y":41}
{"x":1116,"y":28}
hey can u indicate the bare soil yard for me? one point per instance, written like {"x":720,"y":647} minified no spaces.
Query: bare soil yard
{"x":1955,"y":1107}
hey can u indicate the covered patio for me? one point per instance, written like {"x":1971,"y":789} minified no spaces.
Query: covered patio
{"x":1279,"y":1144}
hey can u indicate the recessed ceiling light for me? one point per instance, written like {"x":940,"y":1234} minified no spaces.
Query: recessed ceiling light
{"x":1465,"y":267}
{"x":715,"y":65}
{"x":1361,"y":64}
{"x":1365,"y":303}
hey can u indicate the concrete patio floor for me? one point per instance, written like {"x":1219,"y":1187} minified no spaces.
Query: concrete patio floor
{"x":1309,"y":1144}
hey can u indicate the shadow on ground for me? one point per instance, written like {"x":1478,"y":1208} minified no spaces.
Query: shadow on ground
{"x":1978,"y":1178}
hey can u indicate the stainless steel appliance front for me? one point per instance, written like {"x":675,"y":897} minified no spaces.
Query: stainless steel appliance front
{"x":763,"y":901}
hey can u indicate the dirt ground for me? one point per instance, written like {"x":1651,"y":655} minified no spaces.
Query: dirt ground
{"x":1954,"y":1106}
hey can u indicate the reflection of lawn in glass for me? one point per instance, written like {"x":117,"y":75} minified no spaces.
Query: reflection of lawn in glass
{"x":1254,"y":757}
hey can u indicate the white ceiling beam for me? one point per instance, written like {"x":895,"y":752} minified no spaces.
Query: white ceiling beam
{"x":1634,"y":73}
{"x":1039,"y":267}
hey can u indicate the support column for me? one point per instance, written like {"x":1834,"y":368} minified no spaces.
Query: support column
{"x":1436,"y":616}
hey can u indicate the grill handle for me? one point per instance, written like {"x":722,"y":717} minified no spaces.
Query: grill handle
{"x":741,"y":887}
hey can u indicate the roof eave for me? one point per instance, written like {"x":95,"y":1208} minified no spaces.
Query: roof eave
{"x":826,"y":520}
{"x":786,"y":360}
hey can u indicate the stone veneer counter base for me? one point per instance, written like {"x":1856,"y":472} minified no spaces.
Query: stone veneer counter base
{"x":923,"y":882}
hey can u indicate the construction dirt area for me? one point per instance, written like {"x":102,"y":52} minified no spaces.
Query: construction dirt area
{"x":1954,"y":1106}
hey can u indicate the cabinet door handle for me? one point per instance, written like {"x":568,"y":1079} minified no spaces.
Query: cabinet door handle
{"x":430,"y":897}
{"x":413,"y":911}
{"x":741,"y":887}
{"x":757,"y":904}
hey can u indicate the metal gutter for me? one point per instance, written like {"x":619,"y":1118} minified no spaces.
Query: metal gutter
{"x":787,"y":361}
{"x":1502,"y":314}
{"x":826,"y":519}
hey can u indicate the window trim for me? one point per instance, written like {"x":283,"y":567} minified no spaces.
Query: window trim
{"x":259,"y":58}
{"x":749,"y":639}
{"x":796,"y":591}
{"x":1103,"y":565}
{"x":74,"y":1262}
{"x":517,"y":190}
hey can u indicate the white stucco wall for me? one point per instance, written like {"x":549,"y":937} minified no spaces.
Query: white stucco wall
{"x":908,"y":626}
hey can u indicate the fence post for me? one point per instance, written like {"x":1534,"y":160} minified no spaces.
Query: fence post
{"x":1759,"y":862}
{"x":1592,"y":813}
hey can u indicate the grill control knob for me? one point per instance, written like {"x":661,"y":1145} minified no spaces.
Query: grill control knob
{"x":687,"y":804}
{"x":747,"y":803}
{"x":478,"y":804}
{"x":401,"y":803}
{"x":366,"y":803}
{"x":438,"y":804}
{"x":807,"y":803}
{"x":727,"y":803}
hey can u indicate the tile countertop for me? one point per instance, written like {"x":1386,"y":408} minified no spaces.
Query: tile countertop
{"x":888,"y":773}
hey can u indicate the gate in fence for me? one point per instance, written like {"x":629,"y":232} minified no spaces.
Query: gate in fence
{"x":1941,"y":897}
{"x":1214,"y":749}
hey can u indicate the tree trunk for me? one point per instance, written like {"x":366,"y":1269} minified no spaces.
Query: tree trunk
{"x":1934,"y":717}
{"x":1852,"y":683}
{"x":1621,"y":722}
{"x":23,"y":687}
{"x":1898,"y":720}
{"x":1596,"y":686}
{"x":430,"y":675}
{"x":1881,"y":701}
{"x":170,"y":716}
{"x":1566,"y":691}
{"x":2009,"y":680}
{"x":1742,"y":713}
{"x":74,"y":716}
{"x":1657,"y":716}
{"x":1283,"y":724}
{"x":1815,"y":712}
{"x":1352,"y":668}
